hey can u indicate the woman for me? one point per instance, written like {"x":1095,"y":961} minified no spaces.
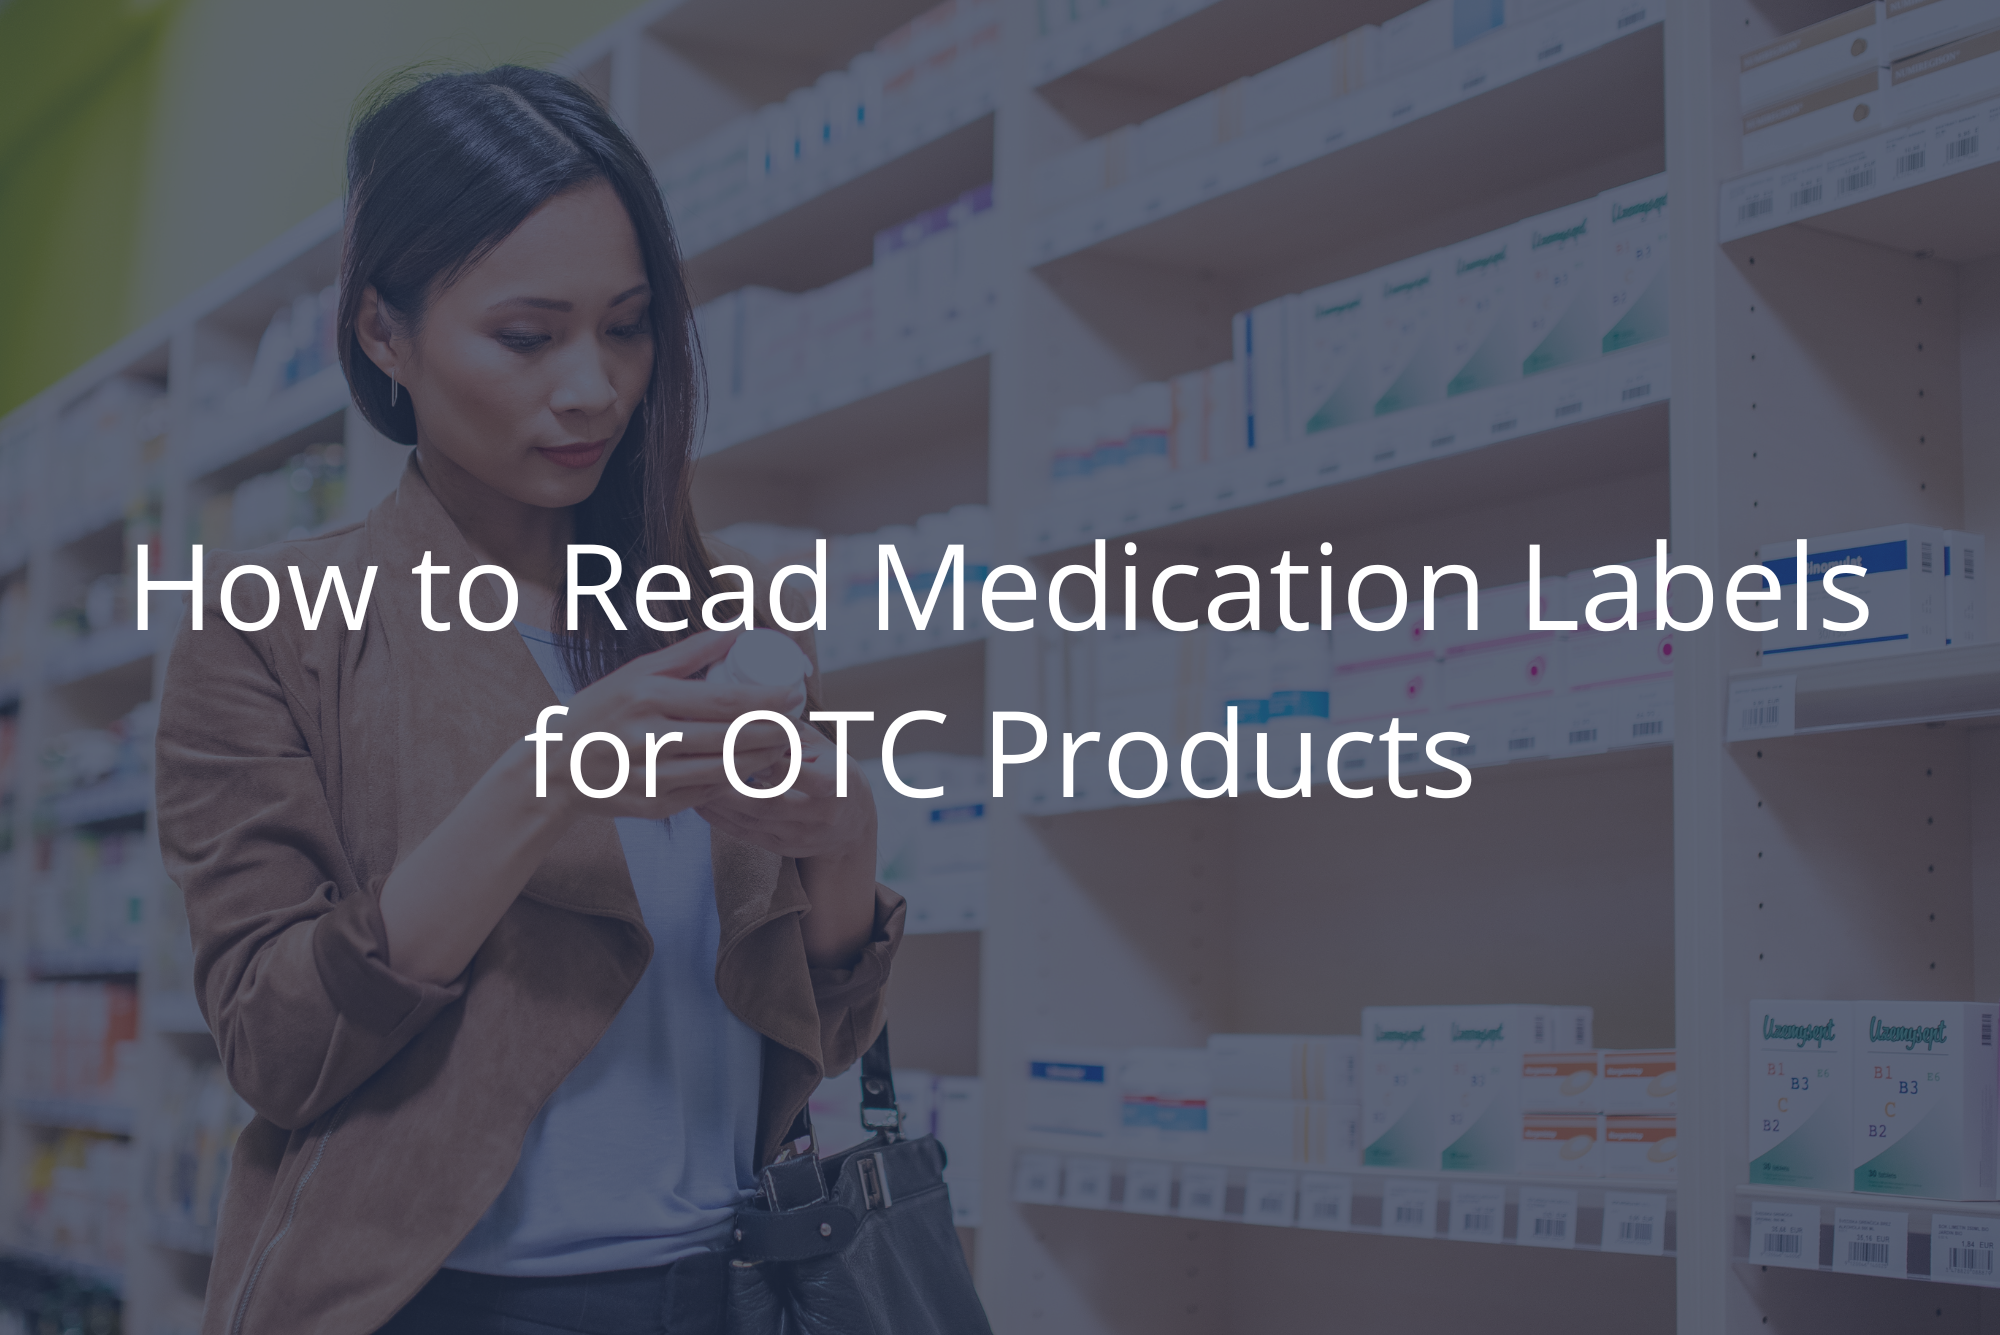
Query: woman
{"x":514,"y":1059}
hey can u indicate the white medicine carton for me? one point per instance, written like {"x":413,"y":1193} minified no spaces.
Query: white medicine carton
{"x":1399,"y":1105}
{"x":1911,"y":26}
{"x":1071,"y":1095}
{"x":1641,"y":1146}
{"x":1163,"y":1102}
{"x":1819,"y":53}
{"x":1639,"y":1082}
{"x":1618,"y":684}
{"x":1407,"y":333}
{"x":1314,"y":1068}
{"x":1560,"y":1145}
{"x":1802,"y":1094}
{"x":1482,"y":316}
{"x":1557,"y":289}
{"x":1477,"y":1076}
{"x":1632,"y":281}
{"x":1500,"y":684}
{"x":1329,"y":386}
{"x":1847,"y":108}
{"x":1904,"y":590}
{"x":1926,"y":1091}
{"x":1259,"y":337}
{"x":1960,"y":70}
{"x":1562,"y":1082}
{"x":1284,"y":1133}
{"x":1964,"y":615}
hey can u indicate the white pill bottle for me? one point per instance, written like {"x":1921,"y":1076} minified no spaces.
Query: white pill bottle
{"x":766,"y":658}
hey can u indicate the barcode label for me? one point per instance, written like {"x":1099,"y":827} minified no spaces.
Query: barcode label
{"x":1552,"y":1228}
{"x":1650,"y":728}
{"x":1870,"y":1241}
{"x":1476,"y":1221}
{"x":1149,"y":1187}
{"x":1781,"y":1244}
{"x":1806,"y":195}
{"x":1785,"y":1235}
{"x":1962,"y":147}
{"x":1325,"y":1201}
{"x":1582,"y":736}
{"x":1755,"y":207}
{"x":1635,"y":1223}
{"x":1569,"y":409}
{"x":1477,"y":1212}
{"x":1912,"y":161}
{"x":1637,"y":16}
{"x":1854,"y":181}
{"x":1268,"y":1198}
{"x":1760,"y":716}
{"x":1635,"y":1230}
{"x":1986,"y":1030}
{"x":1636,"y":392}
{"x":1407,"y":1208}
{"x":1547,"y":1218}
{"x":1962,"y":1249}
{"x":1410,"y":1214}
{"x":1761,"y":707}
{"x":1520,"y":743}
{"x":1202,"y":1191}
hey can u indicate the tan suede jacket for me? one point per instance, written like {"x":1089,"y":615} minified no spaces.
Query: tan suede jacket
{"x":295,"y":769}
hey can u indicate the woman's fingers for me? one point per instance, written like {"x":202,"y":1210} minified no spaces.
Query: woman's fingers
{"x":684,"y":658}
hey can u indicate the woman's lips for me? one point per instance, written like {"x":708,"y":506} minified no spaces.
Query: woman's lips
{"x":574,"y":456}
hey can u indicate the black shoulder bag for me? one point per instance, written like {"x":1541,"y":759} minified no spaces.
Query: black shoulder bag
{"x":858,"y":1243}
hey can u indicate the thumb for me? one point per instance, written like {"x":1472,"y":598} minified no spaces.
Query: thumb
{"x":689,"y":656}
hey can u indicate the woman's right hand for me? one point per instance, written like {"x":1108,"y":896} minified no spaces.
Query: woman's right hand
{"x":657,"y":694}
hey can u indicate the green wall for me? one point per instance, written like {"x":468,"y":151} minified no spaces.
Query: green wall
{"x":147,"y":147}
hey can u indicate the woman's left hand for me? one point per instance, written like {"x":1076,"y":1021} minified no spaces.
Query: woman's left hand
{"x":808,"y":821}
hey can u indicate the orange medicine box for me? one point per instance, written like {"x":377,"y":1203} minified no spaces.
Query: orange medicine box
{"x":1640,"y":1147}
{"x":1560,"y":1082}
{"x":1560,"y":1144}
{"x":1640,"y":1082}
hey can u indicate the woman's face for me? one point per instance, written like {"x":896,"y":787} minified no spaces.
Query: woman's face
{"x":525,"y":371}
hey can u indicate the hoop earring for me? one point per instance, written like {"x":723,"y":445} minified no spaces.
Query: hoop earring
{"x":393,"y":388}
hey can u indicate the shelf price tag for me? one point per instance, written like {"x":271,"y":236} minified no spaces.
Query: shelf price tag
{"x":1409,"y":1208}
{"x":1478,"y":1213}
{"x":1785,"y":1235}
{"x":1962,"y":1249}
{"x":1871,"y":1242}
{"x":1149,"y":1186}
{"x":1326,"y":1201}
{"x":1635,"y":1222}
{"x":1270,"y":1198}
{"x":1086,"y":1182}
{"x":1038,"y":1179}
{"x":1204,"y":1188}
{"x":1762,"y":707}
{"x":1547,"y":1218}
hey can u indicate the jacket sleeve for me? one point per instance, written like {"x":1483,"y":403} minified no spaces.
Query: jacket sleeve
{"x":292,"y":967}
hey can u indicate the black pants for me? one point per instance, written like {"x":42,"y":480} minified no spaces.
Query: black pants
{"x":685,"y":1298}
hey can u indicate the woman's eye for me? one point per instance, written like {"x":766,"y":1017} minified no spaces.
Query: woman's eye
{"x":521,"y":341}
{"x":637,"y":329}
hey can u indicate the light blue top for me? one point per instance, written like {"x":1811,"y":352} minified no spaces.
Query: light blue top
{"x":642,"y":1153}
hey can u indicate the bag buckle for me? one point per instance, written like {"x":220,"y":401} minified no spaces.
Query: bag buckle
{"x":793,"y":1183}
{"x":874,"y":1181}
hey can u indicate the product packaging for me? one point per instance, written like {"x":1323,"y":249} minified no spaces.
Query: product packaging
{"x":1163,"y":1102}
{"x":1821,"y":53}
{"x":1259,"y":344}
{"x":1482,"y":318}
{"x":1561,"y":1082}
{"x":1314,"y":1068}
{"x":1640,"y":1147}
{"x":1400,"y":1126}
{"x":1284,"y":1133}
{"x":1632,"y":282}
{"x":1640,"y":1082}
{"x":1477,"y":1074}
{"x":1960,"y":70}
{"x":1560,"y":1145}
{"x":1911,"y":26}
{"x":1557,"y":291}
{"x":1407,"y":323}
{"x":1801,"y":1091}
{"x":1814,"y":118}
{"x":1618,"y":684}
{"x":1071,"y":1095}
{"x":1904,"y":590}
{"x":1500,"y":684}
{"x":1964,"y":616}
{"x":1925,"y":1099}
{"x":1328,"y":347}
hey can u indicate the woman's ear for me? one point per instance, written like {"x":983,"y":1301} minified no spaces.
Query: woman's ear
{"x":375,"y":329}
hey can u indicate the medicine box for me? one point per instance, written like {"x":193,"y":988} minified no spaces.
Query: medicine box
{"x":1903,"y":589}
{"x":1640,"y":1147}
{"x":1481,"y":340}
{"x":1618,"y":684}
{"x":1960,"y":70}
{"x":1259,"y":336}
{"x":1557,"y":289}
{"x":1639,"y":1082}
{"x":1328,"y":347}
{"x":1477,"y":1073}
{"x":1499,"y":683}
{"x":1561,"y":1082}
{"x":1316,"y":1068}
{"x":1964,"y":616}
{"x":1560,"y":1145}
{"x":1632,"y":282}
{"x":1802,"y":122}
{"x":1911,"y":26}
{"x":1071,"y":1095}
{"x":1399,"y":1121}
{"x":1925,"y":1099}
{"x":1801,"y":1094}
{"x":1163,"y":1101}
{"x":1819,"y":53}
{"x":1407,"y":335}
{"x":1284,"y":1133}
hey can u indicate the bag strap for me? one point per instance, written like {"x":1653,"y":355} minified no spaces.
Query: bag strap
{"x":878,"y":1095}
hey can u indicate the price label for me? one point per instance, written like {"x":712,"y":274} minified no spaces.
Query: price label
{"x":1038,"y":1179}
{"x":1149,"y":1187}
{"x":1547,"y":1218}
{"x":1326,"y":1201}
{"x":1784,"y":1235}
{"x":1270,"y":1198}
{"x":1478,"y":1213}
{"x":1203,"y":1190}
{"x":1871,"y":1242}
{"x":1962,"y":1249}
{"x":1636,"y":1223}
{"x":1409,"y":1208}
{"x":1761,"y":707}
{"x":1086,"y":1182}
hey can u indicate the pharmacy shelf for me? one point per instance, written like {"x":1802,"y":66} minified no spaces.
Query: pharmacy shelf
{"x":103,"y":651}
{"x":119,"y":797}
{"x":111,"y":1119}
{"x":50,"y":965}
{"x":1931,"y":187}
{"x":1102,"y":1182}
{"x":1937,"y":686}
{"x":227,"y":449}
{"x":801,"y":41}
{"x":948,"y":678}
{"x":888,"y":403}
{"x":180,"y":1235}
{"x":1919,"y":1216}
{"x":822,"y":226}
{"x":172,"y":1013}
{"x":88,"y":1272}
{"x":1260,"y":203}
{"x":1293,"y":496}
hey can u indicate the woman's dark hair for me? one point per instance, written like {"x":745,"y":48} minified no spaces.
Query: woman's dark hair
{"x":438,"y":174}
